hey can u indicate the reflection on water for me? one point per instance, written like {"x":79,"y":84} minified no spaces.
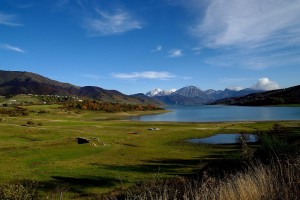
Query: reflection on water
{"x":224,"y":139}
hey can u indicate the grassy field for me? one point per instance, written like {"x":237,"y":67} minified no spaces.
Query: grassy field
{"x":42,"y":147}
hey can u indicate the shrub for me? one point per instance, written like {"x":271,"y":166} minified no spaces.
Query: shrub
{"x":30,"y":122}
{"x":274,"y":144}
{"x":246,"y":152}
{"x":43,"y":111}
{"x":25,"y":190}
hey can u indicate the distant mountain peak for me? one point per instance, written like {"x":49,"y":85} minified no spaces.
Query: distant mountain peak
{"x":191,"y":87}
{"x":172,"y":90}
{"x":160,"y":92}
{"x":189,"y":91}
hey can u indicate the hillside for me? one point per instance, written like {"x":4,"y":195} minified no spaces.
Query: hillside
{"x":275,"y":97}
{"x":16,"y":82}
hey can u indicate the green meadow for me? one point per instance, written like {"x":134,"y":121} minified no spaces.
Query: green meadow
{"x":41,"y":146}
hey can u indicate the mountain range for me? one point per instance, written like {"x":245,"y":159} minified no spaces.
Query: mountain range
{"x":16,"y":82}
{"x":192,"y":95}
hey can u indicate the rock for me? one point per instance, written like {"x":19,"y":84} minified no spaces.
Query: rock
{"x":153,"y":129}
{"x":81,"y":140}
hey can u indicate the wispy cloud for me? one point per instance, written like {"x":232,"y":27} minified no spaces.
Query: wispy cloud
{"x":105,"y":23}
{"x":11,"y":48}
{"x":255,"y":60}
{"x":145,"y":75}
{"x":9,"y":20}
{"x":157,"y":49}
{"x":197,"y":50}
{"x":175,"y":53}
{"x":252,"y":34}
{"x":250,"y":21}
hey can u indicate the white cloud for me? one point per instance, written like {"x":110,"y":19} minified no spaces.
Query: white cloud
{"x":11,"y":48}
{"x":8,"y":20}
{"x":145,"y":75}
{"x":265,"y":84}
{"x":111,"y":23}
{"x":235,"y":88}
{"x":175,"y":53}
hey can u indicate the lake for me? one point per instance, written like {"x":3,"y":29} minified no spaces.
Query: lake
{"x":223,"y":139}
{"x":219,"y":113}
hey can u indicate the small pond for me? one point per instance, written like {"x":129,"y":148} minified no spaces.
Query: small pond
{"x":224,"y":139}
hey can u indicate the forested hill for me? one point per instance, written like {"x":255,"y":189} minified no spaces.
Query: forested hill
{"x":274,"y":97}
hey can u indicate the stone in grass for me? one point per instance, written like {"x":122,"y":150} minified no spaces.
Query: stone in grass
{"x":81,"y":140}
{"x":153,"y":129}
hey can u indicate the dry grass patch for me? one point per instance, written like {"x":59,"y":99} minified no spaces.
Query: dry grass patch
{"x":278,"y":180}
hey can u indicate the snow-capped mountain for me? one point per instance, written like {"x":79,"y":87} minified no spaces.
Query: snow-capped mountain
{"x":160,"y":92}
{"x":192,"y":95}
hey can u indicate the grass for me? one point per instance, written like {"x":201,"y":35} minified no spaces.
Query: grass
{"x":278,"y":180}
{"x":42,"y":147}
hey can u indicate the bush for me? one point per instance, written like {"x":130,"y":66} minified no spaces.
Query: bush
{"x":30,"y":122}
{"x":246,"y":152}
{"x":14,"y":111}
{"x":43,"y":111}
{"x":274,"y":144}
{"x":25,"y":190}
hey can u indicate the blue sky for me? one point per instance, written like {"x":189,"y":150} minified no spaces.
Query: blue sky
{"x":134,"y":46}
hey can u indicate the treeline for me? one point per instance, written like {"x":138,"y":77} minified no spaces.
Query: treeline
{"x":110,"y":107}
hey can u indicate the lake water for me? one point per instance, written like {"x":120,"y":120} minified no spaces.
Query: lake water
{"x":223,"y":139}
{"x":215,"y":113}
